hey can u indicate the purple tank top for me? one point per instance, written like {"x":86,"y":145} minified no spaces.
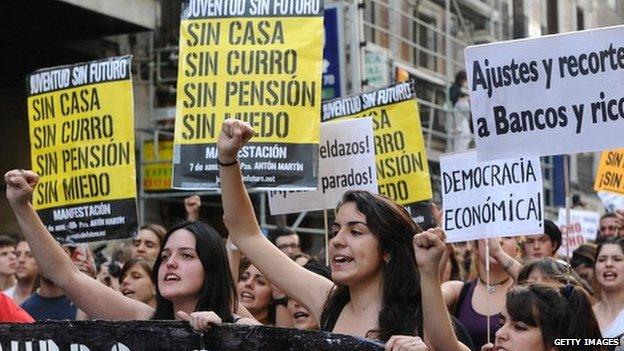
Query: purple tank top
{"x":475,"y":323}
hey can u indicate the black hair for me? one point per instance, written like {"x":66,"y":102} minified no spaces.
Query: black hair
{"x":401,"y":311}
{"x":584,"y":255}
{"x":317,"y":267}
{"x":218,"y":293}
{"x":460,"y":77}
{"x":280,"y":231}
{"x":6,"y":240}
{"x":559,"y":311}
{"x":553,"y":232}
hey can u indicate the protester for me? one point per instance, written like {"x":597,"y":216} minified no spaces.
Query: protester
{"x":10,"y":312}
{"x":26,"y":274}
{"x":149,"y":241}
{"x":109,"y":274}
{"x":583,"y":262}
{"x":286,"y":240}
{"x":82,"y":256}
{"x":535,"y":315}
{"x":610,"y":278}
{"x":548,"y":270}
{"x":8,"y":262}
{"x":191,"y":277}
{"x":461,"y":119}
{"x":254,"y":292}
{"x":611,"y":224}
{"x":544,"y":245}
{"x":135,"y":281}
{"x":49,"y":303}
{"x":473,"y":300}
{"x":302,"y":318}
{"x":376,"y":295}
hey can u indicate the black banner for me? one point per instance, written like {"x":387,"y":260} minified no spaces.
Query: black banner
{"x":165,"y":336}
{"x":95,"y":221}
{"x":264,"y":165}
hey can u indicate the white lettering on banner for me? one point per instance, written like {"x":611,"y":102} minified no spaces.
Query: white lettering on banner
{"x":551,"y":95}
{"x":488,"y":199}
{"x":347,"y":161}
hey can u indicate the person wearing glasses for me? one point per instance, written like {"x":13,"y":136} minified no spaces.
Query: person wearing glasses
{"x":288,"y":241}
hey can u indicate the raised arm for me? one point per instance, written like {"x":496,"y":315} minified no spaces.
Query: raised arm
{"x":94,"y":298}
{"x":510,"y":264}
{"x":297,"y":282}
{"x":439,"y":334}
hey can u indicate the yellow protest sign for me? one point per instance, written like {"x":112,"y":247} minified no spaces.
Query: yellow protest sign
{"x":258,"y":62}
{"x":402,"y":167}
{"x":157,"y":165}
{"x":82,"y":144}
{"x":610,"y":175}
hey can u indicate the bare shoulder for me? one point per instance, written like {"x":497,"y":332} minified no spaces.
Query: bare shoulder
{"x":451,"y":291}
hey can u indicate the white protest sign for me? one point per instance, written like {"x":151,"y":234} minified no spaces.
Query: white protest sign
{"x":490,"y":199}
{"x":611,"y":201}
{"x":583,"y":227}
{"x":346,"y":162}
{"x":551,"y":95}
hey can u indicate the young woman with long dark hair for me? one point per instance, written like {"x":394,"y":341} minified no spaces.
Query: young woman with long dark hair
{"x":377,"y":291}
{"x":191,"y":272}
{"x":536,"y":314}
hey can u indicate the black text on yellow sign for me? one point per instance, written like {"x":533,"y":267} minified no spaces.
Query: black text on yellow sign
{"x":82,"y":141}
{"x":610,"y":175}
{"x":82,"y":146}
{"x":402,"y":166}
{"x":260,"y":64}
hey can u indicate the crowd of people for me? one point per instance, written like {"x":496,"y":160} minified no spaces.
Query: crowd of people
{"x":387,"y":279}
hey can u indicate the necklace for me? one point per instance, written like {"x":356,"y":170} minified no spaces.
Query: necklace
{"x":492,"y":288}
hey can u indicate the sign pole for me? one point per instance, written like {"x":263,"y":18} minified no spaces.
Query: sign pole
{"x":487,"y":286}
{"x":326,"y":237}
{"x":566,"y":179}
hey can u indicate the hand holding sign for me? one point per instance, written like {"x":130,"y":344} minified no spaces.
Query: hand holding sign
{"x":234,"y":134}
{"x":20,"y":186}
{"x":429,"y":247}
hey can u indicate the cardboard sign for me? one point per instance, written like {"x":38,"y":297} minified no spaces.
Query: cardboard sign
{"x":81,"y":120}
{"x":402,"y":166}
{"x":347,"y":162}
{"x":170,"y":336}
{"x":610,"y":175}
{"x":259,"y":62}
{"x":490,"y":199}
{"x":583,"y":227}
{"x":550,"y":95}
